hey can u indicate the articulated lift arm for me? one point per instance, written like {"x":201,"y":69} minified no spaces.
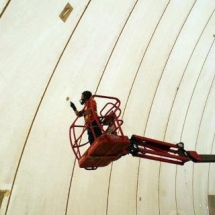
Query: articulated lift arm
{"x":147,"y":148}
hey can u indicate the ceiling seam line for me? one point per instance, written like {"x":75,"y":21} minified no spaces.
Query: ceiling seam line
{"x":210,"y":165}
{"x":204,"y":109}
{"x":168,"y":61}
{"x":177,"y":94}
{"x":137,"y":72}
{"x":113,"y":49}
{"x":108,"y":190}
{"x":195,"y":85}
{"x":108,"y":60}
{"x":34,"y":118}
{"x":200,"y":123}
{"x":5,"y":7}
{"x":70,"y":186}
{"x":75,"y":161}
{"x":187,"y":66}
{"x":141,"y":61}
{"x":190,"y":104}
{"x":158,"y":86}
{"x":200,"y":120}
{"x":208,"y":175}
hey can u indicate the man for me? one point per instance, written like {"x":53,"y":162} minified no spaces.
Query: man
{"x":87,"y":112}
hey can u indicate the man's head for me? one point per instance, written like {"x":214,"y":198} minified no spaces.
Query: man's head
{"x":86,"y":95}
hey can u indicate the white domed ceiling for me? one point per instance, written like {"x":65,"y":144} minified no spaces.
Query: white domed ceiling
{"x":156,"y":56}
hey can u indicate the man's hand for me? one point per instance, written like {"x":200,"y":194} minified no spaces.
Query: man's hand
{"x":72,"y":105}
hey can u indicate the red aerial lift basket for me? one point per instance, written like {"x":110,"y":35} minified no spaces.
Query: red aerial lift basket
{"x":108,"y":147}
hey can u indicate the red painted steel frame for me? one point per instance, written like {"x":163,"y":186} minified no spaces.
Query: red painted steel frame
{"x":113,"y":144}
{"x":158,"y":150}
{"x":110,"y":112}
